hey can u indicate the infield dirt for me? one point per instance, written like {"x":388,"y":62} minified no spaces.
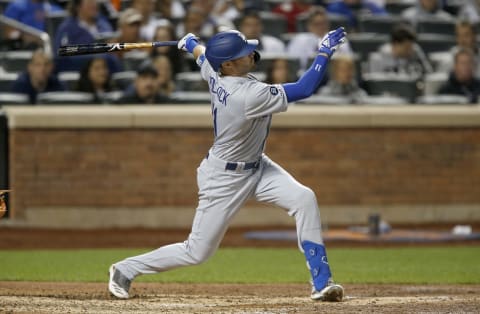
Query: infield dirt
{"x":29,"y":297}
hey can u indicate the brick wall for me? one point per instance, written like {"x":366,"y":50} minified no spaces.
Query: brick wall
{"x":153,"y":167}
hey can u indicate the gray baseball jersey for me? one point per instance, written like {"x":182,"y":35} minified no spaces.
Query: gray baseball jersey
{"x":241,"y":109}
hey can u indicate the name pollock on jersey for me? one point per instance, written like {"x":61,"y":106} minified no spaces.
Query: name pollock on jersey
{"x":221,"y":93}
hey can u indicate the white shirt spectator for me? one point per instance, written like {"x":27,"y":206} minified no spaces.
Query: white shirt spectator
{"x":419,"y":12}
{"x":470,"y":11}
{"x":147,"y":31}
{"x":270,"y":44}
{"x":304,"y":46}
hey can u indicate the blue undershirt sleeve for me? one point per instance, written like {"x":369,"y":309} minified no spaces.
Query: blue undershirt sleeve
{"x":308,"y":83}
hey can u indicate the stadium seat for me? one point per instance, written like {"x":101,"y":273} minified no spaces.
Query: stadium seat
{"x":365,"y":43}
{"x":273,"y":24}
{"x":64,"y":98}
{"x":191,"y":82}
{"x":433,"y":82}
{"x":378,"y":23}
{"x":383,"y":84}
{"x":385,"y":100}
{"x":301,"y":23}
{"x":435,"y":42}
{"x":13,"y":99}
{"x":122,"y":80}
{"x":191,"y":97}
{"x":112,"y":97}
{"x":336,"y":20}
{"x":436,"y":27}
{"x":397,"y":7}
{"x":6,"y":81}
{"x":442,"y":61}
{"x":70,"y":79}
{"x":16,"y":61}
{"x":442,"y":100}
{"x":325,"y":100}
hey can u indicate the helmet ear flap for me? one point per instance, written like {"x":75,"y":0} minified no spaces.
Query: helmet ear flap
{"x":256,"y":56}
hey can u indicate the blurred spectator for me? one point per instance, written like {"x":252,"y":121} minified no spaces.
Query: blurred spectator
{"x":117,"y":4}
{"x":29,"y":12}
{"x":196,"y":22}
{"x":470,"y":11}
{"x":170,"y":9}
{"x":128,"y":27}
{"x":291,"y":9}
{"x":144,"y":89}
{"x":95,"y":79}
{"x":254,"y":5}
{"x":203,"y":20}
{"x":226,"y":9}
{"x":351,"y":9}
{"x":83,"y":26}
{"x":149,"y":20}
{"x":279,"y":72}
{"x":38,"y":78}
{"x":466,"y":37}
{"x":462,"y":80}
{"x":304,"y":46}
{"x":167,"y":33}
{"x":251,"y":26}
{"x":401,"y":56}
{"x":426,"y":10}
{"x":165,"y":83}
{"x":343,"y":82}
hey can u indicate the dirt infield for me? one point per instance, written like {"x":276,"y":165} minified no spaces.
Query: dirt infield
{"x":27,"y":297}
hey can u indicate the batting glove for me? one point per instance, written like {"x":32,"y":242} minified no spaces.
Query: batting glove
{"x":332,"y":40}
{"x":188,"y":42}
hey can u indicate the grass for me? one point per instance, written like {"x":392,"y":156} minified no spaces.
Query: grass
{"x":258,"y":265}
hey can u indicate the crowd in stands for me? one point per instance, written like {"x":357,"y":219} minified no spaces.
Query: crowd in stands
{"x":409,"y":50}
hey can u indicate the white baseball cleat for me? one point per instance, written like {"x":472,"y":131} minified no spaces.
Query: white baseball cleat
{"x":118,"y":284}
{"x":331,"y":293}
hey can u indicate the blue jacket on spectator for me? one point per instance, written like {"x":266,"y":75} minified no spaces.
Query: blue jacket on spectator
{"x":365,"y":6}
{"x":23,"y":85}
{"x":71,"y":32}
{"x":30,"y":13}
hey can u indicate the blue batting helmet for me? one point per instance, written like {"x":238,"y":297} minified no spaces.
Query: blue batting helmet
{"x":229,"y":45}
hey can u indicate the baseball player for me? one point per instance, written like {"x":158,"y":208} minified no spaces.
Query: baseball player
{"x":235,"y":168}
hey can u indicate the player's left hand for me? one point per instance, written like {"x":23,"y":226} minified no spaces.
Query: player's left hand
{"x":332,"y":40}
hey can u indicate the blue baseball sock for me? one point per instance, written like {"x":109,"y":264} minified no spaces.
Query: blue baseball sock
{"x":318,"y":263}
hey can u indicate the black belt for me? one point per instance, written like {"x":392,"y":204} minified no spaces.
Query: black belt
{"x":232,"y":166}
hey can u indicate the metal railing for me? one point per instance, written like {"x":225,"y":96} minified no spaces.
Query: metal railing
{"x":42,"y":37}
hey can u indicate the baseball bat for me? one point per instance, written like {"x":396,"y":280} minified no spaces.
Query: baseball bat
{"x":84,"y":49}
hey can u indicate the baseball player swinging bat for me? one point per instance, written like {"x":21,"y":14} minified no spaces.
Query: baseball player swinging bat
{"x":84,"y":49}
{"x":236,"y":169}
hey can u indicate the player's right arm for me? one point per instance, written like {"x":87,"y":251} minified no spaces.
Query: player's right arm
{"x":308,"y":83}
